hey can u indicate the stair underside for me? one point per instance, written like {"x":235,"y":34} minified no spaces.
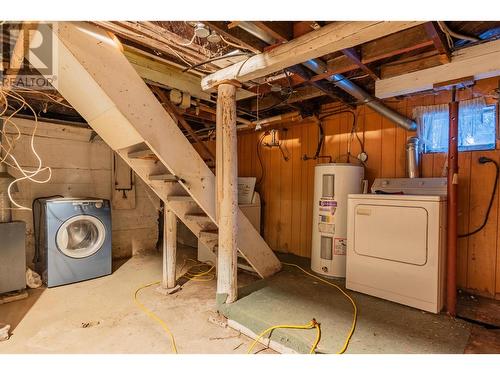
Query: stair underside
{"x":121,"y":108}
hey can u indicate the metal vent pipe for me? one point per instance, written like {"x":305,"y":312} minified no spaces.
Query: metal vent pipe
{"x":352,"y":89}
{"x":319,"y":67}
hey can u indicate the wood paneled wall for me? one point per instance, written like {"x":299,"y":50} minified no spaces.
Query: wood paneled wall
{"x":287,"y":187}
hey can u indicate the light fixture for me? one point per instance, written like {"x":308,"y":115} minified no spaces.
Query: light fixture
{"x":275,"y":87}
{"x":201,"y":31}
{"x":214,"y":37}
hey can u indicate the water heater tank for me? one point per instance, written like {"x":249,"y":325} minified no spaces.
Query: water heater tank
{"x":332,"y":183}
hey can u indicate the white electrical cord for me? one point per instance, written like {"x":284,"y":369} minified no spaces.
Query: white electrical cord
{"x":26,"y":174}
{"x":232,"y":44}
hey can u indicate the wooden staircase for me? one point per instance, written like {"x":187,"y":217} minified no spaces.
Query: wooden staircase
{"x":99,"y":82}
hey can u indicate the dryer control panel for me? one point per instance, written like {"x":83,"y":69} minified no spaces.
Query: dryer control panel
{"x":410,"y":186}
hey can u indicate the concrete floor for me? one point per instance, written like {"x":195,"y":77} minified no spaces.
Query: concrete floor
{"x":99,"y":316}
{"x":53,"y":320}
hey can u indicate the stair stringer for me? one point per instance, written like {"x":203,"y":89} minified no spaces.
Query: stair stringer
{"x":98,"y":81}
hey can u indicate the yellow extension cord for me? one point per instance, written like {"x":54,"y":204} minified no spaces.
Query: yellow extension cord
{"x":153,"y":316}
{"x":307,"y":326}
{"x":312,"y":324}
{"x":196,"y":276}
{"x":206,"y":276}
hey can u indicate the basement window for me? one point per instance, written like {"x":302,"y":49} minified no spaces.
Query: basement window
{"x":476,"y":126}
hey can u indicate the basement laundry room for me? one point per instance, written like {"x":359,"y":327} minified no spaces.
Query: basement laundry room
{"x":289,"y":187}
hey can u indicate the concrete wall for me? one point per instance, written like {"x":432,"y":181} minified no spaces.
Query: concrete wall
{"x":82,"y":167}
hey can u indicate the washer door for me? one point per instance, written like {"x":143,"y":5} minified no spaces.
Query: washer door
{"x":80,"y":236}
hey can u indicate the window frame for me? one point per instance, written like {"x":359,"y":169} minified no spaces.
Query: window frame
{"x":470,"y":148}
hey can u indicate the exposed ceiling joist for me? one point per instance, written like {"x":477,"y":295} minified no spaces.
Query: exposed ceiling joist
{"x":299,"y":94}
{"x":324,"y":86}
{"x":330,"y":38}
{"x":480,"y":61}
{"x":280,"y":31}
{"x":356,"y":59}
{"x":439,"y":41}
{"x":155,"y":71}
{"x":396,"y":44}
{"x":164,"y":74}
{"x":411,"y":64}
{"x":405,"y":41}
{"x":237,"y":35}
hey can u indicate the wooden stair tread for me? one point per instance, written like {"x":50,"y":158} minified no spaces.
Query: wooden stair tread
{"x":209,"y":234}
{"x":142,"y":154}
{"x":196,"y":216}
{"x":168,"y":177}
{"x":180,"y":198}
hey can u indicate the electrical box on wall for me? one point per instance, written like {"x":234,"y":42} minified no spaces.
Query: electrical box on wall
{"x":123,"y":185}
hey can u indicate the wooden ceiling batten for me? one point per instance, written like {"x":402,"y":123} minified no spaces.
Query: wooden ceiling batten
{"x":332,"y":37}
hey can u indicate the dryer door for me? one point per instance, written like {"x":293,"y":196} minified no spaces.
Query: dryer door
{"x":391,"y":232}
{"x":80,"y":236}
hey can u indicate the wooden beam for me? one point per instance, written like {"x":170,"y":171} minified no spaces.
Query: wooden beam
{"x":330,"y":38}
{"x":227,"y":193}
{"x":408,"y":40}
{"x":166,"y":74}
{"x":168,"y":282}
{"x":327,"y":88}
{"x":274,"y":30}
{"x":237,"y":35}
{"x":356,"y":59}
{"x":303,"y":27}
{"x":410,"y":64}
{"x":337,"y":65}
{"x":299,"y":94}
{"x":439,"y":41}
{"x":480,"y":61}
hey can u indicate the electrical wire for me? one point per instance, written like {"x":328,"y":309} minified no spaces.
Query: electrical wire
{"x":188,"y":43}
{"x":212,"y":60}
{"x":26,"y":174}
{"x":153,"y":316}
{"x":283,"y":101}
{"x":233,"y":44}
{"x":199,"y":274}
{"x":355,"y":308}
{"x":259,"y":157}
{"x":312,"y":324}
{"x":353,"y":133}
{"x":484,"y":160}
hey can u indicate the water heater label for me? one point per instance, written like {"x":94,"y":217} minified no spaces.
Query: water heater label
{"x":326,"y":228}
{"x":339,"y":246}
{"x":327,"y":208}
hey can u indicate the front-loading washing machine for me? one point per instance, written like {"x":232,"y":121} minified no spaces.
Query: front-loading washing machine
{"x":72,"y":239}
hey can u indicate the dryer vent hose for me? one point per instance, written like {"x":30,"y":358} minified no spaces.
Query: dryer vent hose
{"x":485,"y":160}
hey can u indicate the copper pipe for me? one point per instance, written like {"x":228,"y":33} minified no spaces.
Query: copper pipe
{"x":452,"y":207}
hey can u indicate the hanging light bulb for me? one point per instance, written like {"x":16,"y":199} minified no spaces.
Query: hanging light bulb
{"x":201,"y":31}
{"x":214,"y":37}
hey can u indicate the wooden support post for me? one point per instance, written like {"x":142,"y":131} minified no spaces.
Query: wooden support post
{"x":452,"y":197}
{"x":168,"y":282}
{"x":227,"y":193}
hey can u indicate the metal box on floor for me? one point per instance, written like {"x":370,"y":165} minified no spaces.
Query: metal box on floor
{"x":12,"y":256}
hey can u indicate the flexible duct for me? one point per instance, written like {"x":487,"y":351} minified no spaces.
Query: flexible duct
{"x":319,"y":67}
{"x":352,"y":89}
